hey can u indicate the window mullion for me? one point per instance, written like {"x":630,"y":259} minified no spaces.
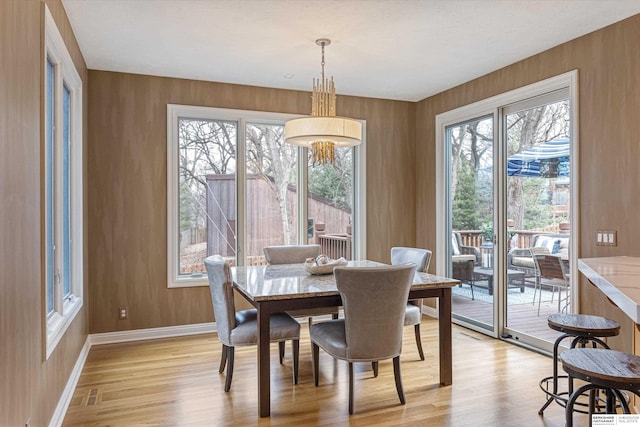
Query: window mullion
{"x":241,"y":195}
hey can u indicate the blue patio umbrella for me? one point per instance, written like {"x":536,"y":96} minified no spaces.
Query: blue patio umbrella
{"x":547,"y":160}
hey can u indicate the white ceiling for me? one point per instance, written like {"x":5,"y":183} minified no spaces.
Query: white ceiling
{"x":394,"y":49}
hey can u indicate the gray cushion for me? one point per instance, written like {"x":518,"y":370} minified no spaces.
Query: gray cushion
{"x":523,"y":261}
{"x":463,"y":258}
{"x":412,"y":315}
{"x":282,"y":327}
{"x":330,"y":336}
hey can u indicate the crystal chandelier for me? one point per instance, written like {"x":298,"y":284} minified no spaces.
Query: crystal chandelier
{"x":323,"y":131}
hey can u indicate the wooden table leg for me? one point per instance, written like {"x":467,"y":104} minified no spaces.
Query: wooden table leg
{"x":264,"y":378}
{"x":444,"y":322}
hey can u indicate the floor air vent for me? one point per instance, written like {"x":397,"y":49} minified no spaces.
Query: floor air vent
{"x":92,"y":399}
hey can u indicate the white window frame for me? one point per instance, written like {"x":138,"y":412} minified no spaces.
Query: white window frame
{"x":242,"y":117}
{"x":65,"y":73}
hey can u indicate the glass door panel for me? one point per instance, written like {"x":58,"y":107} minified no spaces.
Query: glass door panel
{"x":471,"y":190}
{"x":538,"y":186}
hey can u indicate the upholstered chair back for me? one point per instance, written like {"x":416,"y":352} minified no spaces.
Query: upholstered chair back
{"x":420,"y":257}
{"x":374,"y":301}
{"x":221,"y":286}
{"x":290,"y":254}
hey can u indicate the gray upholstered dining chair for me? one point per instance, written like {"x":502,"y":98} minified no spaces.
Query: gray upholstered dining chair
{"x":374,"y":301}
{"x":241,"y":328}
{"x":413,"y":313}
{"x":297,"y":254}
{"x":290,"y":254}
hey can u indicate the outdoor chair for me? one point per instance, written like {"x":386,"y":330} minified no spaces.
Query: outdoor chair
{"x":413,"y":313}
{"x":463,"y":260}
{"x":298,"y":254}
{"x":241,"y":328}
{"x":374,"y":301}
{"x":541,"y":244}
{"x":552,"y":273}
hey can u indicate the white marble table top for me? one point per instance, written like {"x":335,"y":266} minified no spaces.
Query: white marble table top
{"x":618,"y":278}
{"x":285,"y":281}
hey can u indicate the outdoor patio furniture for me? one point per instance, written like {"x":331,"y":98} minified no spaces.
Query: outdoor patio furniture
{"x":552,"y":273}
{"x":463,"y":260}
{"x":541,"y":244}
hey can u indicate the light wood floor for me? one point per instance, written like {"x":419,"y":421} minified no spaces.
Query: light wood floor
{"x":175,"y":382}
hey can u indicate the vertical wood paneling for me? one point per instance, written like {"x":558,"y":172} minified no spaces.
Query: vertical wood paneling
{"x":608,"y":62}
{"x":127,"y":188}
{"x":30,"y":387}
{"x":20,"y":274}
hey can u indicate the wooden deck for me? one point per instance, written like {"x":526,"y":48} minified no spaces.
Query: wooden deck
{"x":521,"y":317}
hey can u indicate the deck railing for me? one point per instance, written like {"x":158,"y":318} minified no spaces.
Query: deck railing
{"x":335,"y":245}
{"x":474,"y":237}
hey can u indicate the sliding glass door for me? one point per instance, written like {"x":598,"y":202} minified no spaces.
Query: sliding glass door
{"x":505,"y":210}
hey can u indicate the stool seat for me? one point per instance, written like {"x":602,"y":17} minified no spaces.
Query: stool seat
{"x":583,"y":325}
{"x":608,"y":368}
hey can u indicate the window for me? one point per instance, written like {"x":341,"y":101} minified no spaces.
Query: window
{"x":62,"y":187}
{"x":234,"y":187}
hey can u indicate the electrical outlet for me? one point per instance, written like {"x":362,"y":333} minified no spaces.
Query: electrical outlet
{"x":123,"y":313}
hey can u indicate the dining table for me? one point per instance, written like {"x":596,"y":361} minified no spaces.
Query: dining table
{"x":277,"y":288}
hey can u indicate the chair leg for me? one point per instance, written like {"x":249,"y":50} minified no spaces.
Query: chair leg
{"x":418,"y":340}
{"x":296,"y":353}
{"x":281,"y":350}
{"x":223,"y":359}
{"x":310,"y":320}
{"x":374,"y":366}
{"x":315,"y":360}
{"x":396,"y":373}
{"x":350,"y":388}
{"x":227,"y":384}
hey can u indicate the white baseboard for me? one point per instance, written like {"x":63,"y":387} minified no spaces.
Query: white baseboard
{"x":152,"y":333}
{"x":430,"y":311}
{"x":67,"y":393}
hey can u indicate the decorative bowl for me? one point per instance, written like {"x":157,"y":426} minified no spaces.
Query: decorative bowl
{"x":323,"y":265}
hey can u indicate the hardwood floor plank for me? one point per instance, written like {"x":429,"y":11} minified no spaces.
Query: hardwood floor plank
{"x":175,"y":382}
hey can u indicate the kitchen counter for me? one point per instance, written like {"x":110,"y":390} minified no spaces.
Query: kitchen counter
{"x":618,"y":278}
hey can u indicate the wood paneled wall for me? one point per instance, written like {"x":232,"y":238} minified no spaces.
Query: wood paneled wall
{"x":30,"y":387}
{"x":608,"y":63}
{"x":127,"y":169}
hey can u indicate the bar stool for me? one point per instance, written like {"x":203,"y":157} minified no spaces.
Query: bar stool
{"x":583,"y":329}
{"x":602,"y":369}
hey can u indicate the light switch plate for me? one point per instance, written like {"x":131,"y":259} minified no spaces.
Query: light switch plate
{"x":606,"y":238}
